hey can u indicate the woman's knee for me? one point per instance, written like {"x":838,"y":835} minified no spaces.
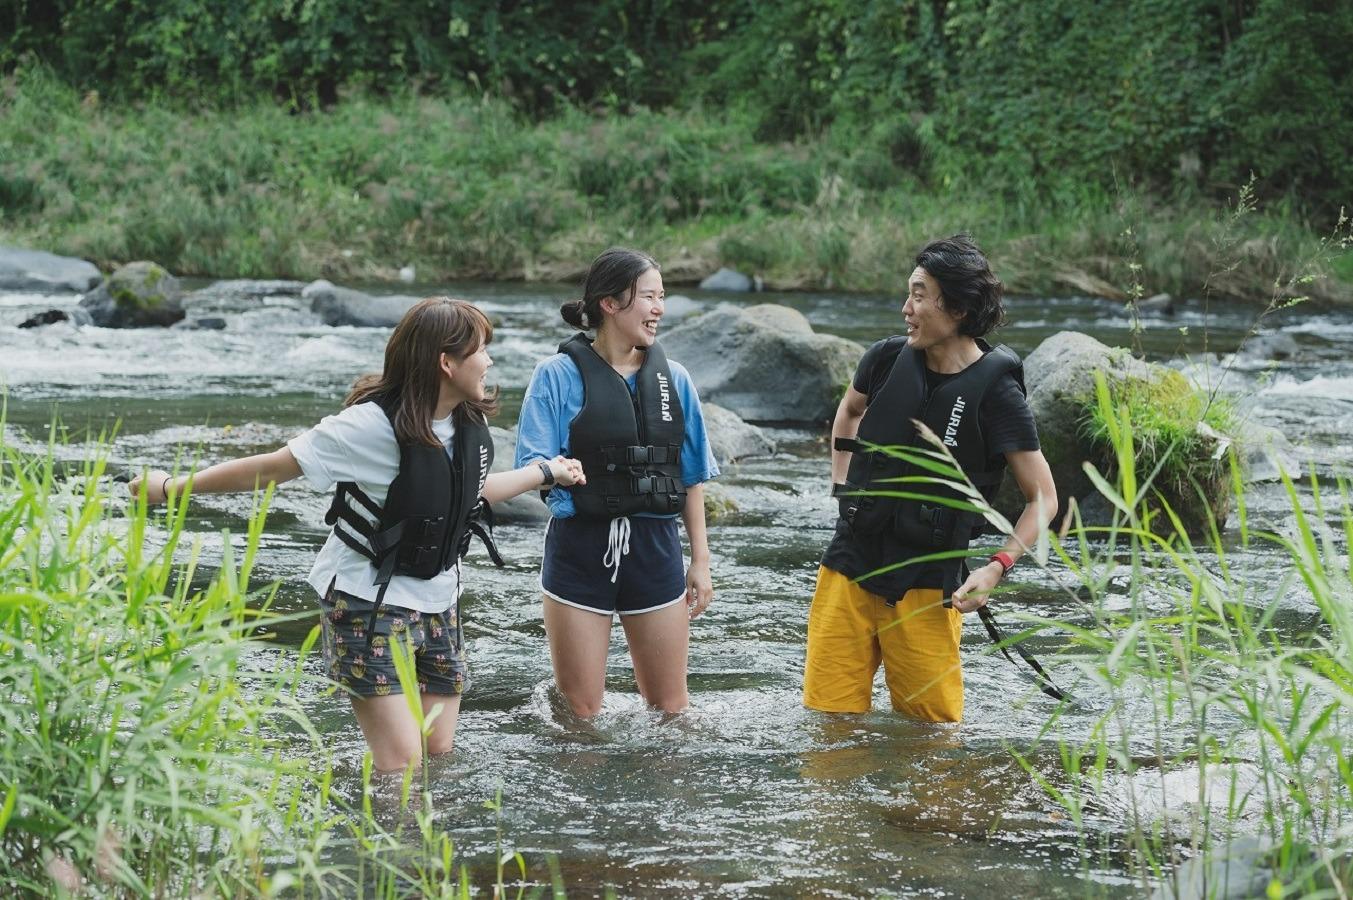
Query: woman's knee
{"x":670,"y":702}
{"x":396,"y":755}
{"x":585,"y":704}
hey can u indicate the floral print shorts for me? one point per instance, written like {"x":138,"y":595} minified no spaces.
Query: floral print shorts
{"x":367,"y":668}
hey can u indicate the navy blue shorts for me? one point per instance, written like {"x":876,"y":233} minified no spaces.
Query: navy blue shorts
{"x":628,"y":565}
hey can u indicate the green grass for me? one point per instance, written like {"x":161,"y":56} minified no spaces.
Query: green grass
{"x":1218,"y":729}
{"x":467,"y":188}
{"x":152,"y":744}
{"x":1176,"y":431}
{"x":1180,"y":653}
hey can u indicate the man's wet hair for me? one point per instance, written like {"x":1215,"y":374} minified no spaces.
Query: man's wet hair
{"x":967,"y":286}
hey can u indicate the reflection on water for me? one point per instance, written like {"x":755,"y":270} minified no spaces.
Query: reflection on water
{"x":747,"y":793}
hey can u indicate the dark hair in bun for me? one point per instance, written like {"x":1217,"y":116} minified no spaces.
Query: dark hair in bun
{"x":612,"y":274}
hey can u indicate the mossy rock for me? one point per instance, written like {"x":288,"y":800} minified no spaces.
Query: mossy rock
{"x":1180,"y":436}
{"x":138,"y":295}
{"x":719,"y":506}
{"x":1169,"y":418}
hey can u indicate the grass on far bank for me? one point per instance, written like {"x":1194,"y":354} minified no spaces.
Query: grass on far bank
{"x":467,"y":189}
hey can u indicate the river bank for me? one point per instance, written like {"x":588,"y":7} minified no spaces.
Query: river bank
{"x":462,"y":188}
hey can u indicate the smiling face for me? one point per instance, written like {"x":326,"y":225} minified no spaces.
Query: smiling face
{"x":637,"y":323}
{"x":467,"y":375}
{"x":928,"y":322}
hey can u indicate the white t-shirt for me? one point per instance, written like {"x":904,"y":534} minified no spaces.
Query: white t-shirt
{"x":358,"y":445}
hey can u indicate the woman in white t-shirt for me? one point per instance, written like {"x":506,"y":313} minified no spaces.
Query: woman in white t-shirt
{"x":430,"y":394}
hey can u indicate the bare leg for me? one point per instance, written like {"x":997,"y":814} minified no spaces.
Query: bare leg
{"x":579,"y":641}
{"x":390,"y":731}
{"x":659,"y":644}
{"x":442,"y":737}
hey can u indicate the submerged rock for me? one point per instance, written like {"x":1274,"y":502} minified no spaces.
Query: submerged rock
{"x":1277,"y":345}
{"x":1242,"y":869}
{"x":1159,"y":304}
{"x":240,"y":294}
{"x":138,"y":295}
{"x":203,"y":323}
{"x":1267,"y":453}
{"x":344,"y":306}
{"x":765,"y":362}
{"x":38,"y":270}
{"x":75,"y":315}
{"x":729,"y":280}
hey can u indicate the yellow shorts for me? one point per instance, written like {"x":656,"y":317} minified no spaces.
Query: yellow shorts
{"x":850,"y":631}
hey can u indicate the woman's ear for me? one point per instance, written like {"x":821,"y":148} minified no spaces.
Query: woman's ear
{"x":446,"y":364}
{"x":609,"y":306}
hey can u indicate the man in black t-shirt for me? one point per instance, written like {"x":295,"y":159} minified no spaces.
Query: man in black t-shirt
{"x":868,"y":610}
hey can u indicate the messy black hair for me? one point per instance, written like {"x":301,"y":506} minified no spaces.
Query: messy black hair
{"x":968,"y":289}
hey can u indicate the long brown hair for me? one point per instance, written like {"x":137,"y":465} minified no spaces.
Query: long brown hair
{"x":411,"y":377}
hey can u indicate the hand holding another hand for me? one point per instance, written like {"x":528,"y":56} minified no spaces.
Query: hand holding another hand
{"x":567,"y":472}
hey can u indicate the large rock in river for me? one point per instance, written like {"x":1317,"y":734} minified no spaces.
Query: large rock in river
{"x":138,"y":295}
{"x":1060,"y":377}
{"x":732,"y":439}
{"x":764,"y":362}
{"x":37,"y":270}
{"x":344,"y":306}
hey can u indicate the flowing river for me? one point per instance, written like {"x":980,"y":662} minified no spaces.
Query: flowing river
{"x":747,"y":794}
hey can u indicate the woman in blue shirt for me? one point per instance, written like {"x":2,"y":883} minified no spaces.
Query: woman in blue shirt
{"x":612,"y":547}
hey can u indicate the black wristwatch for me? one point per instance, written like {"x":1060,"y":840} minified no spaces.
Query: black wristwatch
{"x":548,"y":473}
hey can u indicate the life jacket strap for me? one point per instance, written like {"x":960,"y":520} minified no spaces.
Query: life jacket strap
{"x":623,"y":457}
{"x":480,"y":525}
{"x":1040,"y":677}
{"x":655,"y":484}
{"x":355,"y":544}
{"x":339,"y":508}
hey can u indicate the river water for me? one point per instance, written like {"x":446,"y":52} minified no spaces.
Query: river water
{"x":747,"y":794}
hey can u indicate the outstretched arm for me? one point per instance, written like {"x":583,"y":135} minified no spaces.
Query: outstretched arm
{"x":244,"y":474}
{"x":505,"y":485}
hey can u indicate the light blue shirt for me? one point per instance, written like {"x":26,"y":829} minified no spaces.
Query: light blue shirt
{"x":555,"y":397}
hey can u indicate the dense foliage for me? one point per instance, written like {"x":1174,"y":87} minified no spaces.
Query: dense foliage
{"x":1170,"y":95}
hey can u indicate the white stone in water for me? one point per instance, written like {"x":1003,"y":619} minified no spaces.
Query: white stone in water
{"x":407,"y":274}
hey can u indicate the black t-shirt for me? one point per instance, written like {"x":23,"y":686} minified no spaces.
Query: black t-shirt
{"x":1007,"y":425}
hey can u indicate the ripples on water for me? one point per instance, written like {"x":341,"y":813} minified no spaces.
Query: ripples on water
{"x":747,"y":793}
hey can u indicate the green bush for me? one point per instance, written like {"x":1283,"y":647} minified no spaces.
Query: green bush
{"x":1170,"y":95}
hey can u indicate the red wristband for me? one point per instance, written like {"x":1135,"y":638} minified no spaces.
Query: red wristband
{"x":1006,"y":560}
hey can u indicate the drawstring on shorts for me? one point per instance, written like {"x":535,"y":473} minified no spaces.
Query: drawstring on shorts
{"x":617,"y":545}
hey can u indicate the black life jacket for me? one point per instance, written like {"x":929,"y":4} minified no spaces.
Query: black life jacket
{"x":629,"y":444}
{"x":951,"y":412}
{"x":430,"y":512}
